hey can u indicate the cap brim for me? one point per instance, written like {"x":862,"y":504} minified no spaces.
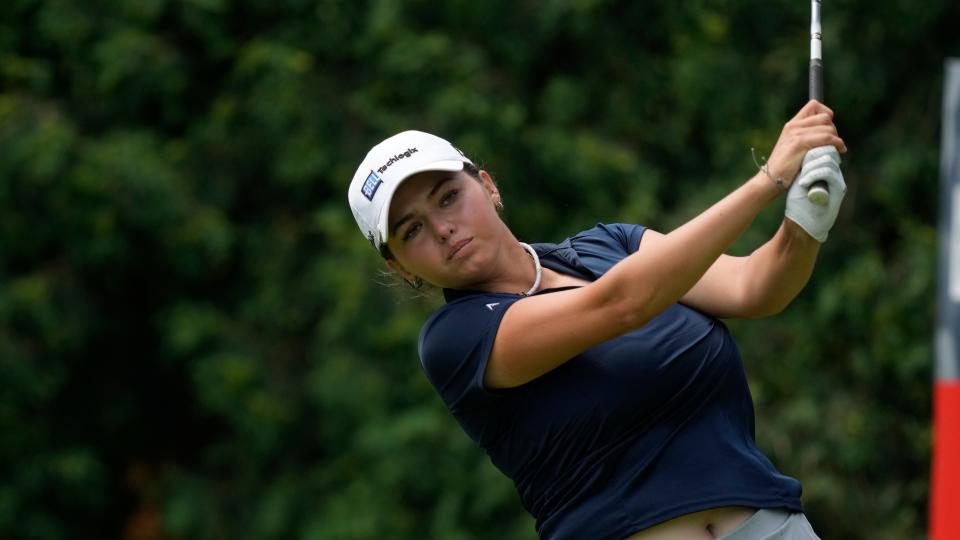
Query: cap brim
{"x":451,"y":165}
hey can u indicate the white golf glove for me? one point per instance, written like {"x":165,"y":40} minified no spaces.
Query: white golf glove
{"x":821,"y":163}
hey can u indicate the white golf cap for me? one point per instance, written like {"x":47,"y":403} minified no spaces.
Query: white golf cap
{"x":386,"y":166}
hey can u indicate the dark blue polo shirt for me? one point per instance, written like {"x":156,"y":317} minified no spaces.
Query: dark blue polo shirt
{"x":649,"y":426}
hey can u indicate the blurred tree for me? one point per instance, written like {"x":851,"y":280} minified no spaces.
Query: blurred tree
{"x":196,"y":343}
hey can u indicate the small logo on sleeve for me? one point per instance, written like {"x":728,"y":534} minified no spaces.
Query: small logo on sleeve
{"x":492,"y":305}
{"x":371,"y":185}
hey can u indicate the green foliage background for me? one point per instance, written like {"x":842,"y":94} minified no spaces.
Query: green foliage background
{"x":195,"y":341}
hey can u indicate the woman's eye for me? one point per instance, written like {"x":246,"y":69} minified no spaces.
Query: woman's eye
{"x":411,"y":232}
{"x":448,"y":198}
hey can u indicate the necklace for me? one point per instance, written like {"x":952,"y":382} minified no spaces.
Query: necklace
{"x":536,"y":264}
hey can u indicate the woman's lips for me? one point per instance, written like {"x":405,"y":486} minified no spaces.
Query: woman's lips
{"x":457,"y":247}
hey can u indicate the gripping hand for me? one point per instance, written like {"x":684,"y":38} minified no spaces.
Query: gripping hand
{"x":822,"y":163}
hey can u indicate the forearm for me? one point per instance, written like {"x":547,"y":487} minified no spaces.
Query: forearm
{"x":666,"y":270}
{"x":660,"y":273}
{"x":777,"y":271}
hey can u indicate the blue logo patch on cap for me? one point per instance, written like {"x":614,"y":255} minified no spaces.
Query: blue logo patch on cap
{"x":371,"y":185}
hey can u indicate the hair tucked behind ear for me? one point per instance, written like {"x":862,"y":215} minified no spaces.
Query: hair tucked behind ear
{"x":472,"y":170}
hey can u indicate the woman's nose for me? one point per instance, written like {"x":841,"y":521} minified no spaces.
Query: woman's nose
{"x":444,"y":229}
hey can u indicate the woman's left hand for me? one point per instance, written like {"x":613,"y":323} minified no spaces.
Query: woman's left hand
{"x":819,"y":165}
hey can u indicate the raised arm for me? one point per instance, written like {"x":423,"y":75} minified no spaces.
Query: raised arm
{"x":758,"y":285}
{"x":539,"y":333}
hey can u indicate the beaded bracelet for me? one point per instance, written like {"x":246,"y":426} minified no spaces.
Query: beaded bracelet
{"x":766,"y":170}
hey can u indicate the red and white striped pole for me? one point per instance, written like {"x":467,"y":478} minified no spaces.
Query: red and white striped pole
{"x":945,"y":474}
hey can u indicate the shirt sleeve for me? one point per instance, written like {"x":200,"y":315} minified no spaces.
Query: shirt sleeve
{"x":455,"y":345}
{"x":627,"y":235}
{"x":605,"y":245}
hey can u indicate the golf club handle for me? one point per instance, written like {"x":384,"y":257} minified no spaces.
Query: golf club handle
{"x":818,"y":192}
{"x":816,"y":79}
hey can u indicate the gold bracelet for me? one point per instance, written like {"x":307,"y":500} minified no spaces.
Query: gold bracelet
{"x":766,"y":170}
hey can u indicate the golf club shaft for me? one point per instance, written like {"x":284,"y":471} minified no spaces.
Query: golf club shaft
{"x":816,"y":53}
{"x":818,"y":192}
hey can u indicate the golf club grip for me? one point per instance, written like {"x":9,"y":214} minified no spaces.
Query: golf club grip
{"x":818,"y":192}
{"x":816,"y":79}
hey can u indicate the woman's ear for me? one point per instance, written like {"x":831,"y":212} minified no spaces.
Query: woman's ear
{"x":393,"y":265}
{"x":491,"y":187}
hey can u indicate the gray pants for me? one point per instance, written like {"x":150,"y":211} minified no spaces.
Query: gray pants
{"x":773,"y":525}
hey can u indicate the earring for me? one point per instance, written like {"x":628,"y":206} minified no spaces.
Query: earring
{"x":498,"y":205}
{"x":417,"y":283}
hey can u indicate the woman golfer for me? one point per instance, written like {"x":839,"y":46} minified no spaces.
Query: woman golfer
{"x":595,"y":372}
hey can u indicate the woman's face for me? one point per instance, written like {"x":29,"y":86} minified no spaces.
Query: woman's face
{"x":444,"y":228}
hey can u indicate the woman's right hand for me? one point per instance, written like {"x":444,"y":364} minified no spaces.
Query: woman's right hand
{"x":812,"y":127}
